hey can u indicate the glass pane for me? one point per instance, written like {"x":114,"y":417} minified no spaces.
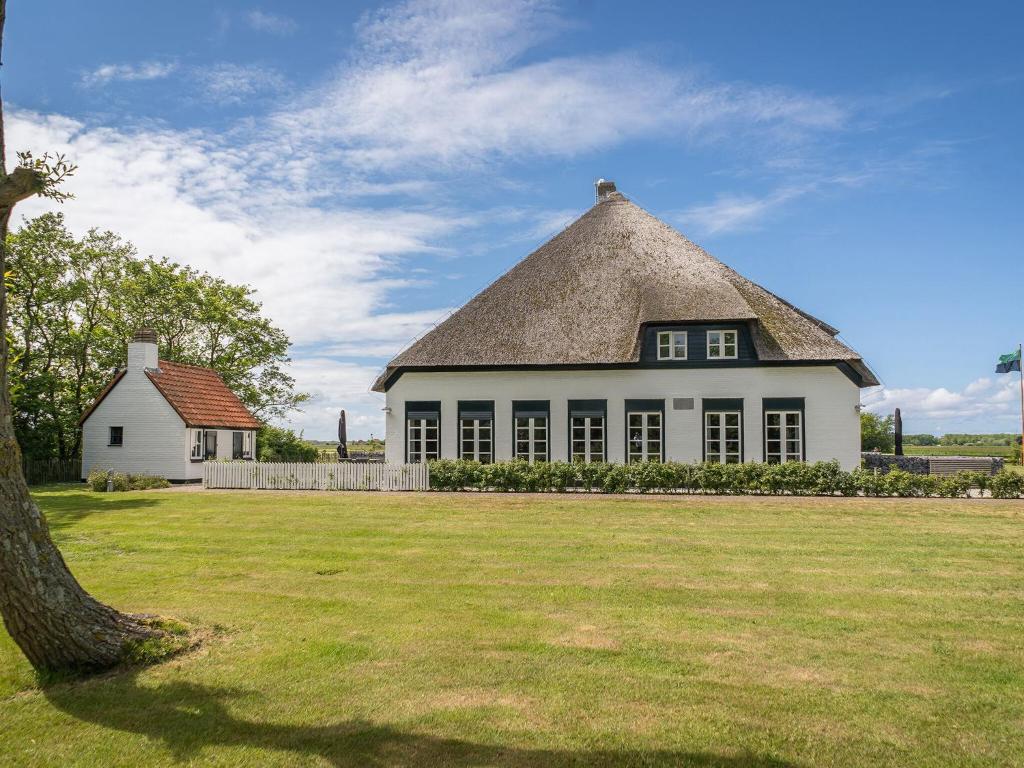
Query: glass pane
{"x":654,"y":419}
{"x":732,"y":419}
{"x":635,"y":419}
{"x":773,"y":419}
{"x":793,"y":419}
{"x":713,"y":419}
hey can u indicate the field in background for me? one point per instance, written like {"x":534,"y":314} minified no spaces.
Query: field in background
{"x":958,"y":450}
{"x":463,"y":630}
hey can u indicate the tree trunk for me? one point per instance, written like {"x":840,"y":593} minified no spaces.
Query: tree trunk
{"x":55,"y":622}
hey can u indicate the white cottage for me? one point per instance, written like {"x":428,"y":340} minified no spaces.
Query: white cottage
{"x":162,"y":418}
{"x":620,"y":340}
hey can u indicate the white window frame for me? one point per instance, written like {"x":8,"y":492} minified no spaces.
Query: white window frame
{"x":647,"y":429}
{"x":719,"y":341}
{"x":783,"y":454}
{"x":669,"y":344}
{"x":590,"y":425}
{"x":247,"y":445}
{"x":479,"y":434}
{"x":198,"y":445}
{"x":716,"y":435}
{"x":534,"y":431}
{"x":417,"y":450}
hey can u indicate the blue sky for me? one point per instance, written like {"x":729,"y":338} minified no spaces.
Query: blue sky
{"x":369,"y":167}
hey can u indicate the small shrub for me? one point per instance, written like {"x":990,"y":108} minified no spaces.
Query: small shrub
{"x":97,"y":481}
{"x":1006,"y":485}
{"x":824,"y":478}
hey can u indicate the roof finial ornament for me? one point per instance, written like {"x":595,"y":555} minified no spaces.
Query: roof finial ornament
{"x":604,"y":189}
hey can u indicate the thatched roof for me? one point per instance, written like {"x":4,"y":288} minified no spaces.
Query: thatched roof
{"x":583,"y":298}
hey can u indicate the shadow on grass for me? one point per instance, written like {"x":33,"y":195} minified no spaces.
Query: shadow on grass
{"x":186,"y":717}
{"x":67,"y":509}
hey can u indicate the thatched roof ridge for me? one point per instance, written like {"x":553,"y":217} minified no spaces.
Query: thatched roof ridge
{"x":583,"y":297}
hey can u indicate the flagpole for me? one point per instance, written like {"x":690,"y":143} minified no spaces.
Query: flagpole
{"x":1020,"y":369}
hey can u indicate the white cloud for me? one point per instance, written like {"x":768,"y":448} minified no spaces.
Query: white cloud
{"x":730,"y":212}
{"x":994,"y":404}
{"x":274,"y":23}
{"x":444,"y":83}
{"x":150,"y":70}
{"x":243,"y":213}
{"x":227,"y":83}
{"x":334,"y":384}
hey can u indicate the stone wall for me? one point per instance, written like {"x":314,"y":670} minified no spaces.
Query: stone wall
{"x":916,"y":465}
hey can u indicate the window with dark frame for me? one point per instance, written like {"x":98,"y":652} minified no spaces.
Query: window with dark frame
{"x":423,"y":432}
{"x":644,"y":436}
{"x":723,"y":438}
{"x":237,"y":445}
{"x":587,"y":430}
{"x":196,"y":454}
{"x":116,"y":437}
{"x":530,"y":423}
{"x":783,"y":434}
{"x":475,"y":439}
{"x":210,"y":444}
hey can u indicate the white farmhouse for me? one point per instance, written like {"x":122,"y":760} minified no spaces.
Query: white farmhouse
{"x":162,"y":418}
{"x":620,"y":340}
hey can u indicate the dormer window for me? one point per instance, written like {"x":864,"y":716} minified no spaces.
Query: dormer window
{"x":672,"y":345}
{"x":722,"y":345}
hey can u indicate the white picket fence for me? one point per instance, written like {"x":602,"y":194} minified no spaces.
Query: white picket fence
{"x":341,"y":476}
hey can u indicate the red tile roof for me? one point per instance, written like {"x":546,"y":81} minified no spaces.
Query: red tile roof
{"x":199,"y":396}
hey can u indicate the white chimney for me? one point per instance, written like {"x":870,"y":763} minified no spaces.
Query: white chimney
{"x":604,"y":189}
{"x":142,"y":350}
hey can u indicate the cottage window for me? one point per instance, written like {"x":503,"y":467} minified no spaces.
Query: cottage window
{"x":423,"y":439}
{"x":247,"y":446}
{"x":531,"y":438}
{"x":116,"y":436}
{"x":672,"y":345}
{"x":530,"y":425}
{"x":587,"y":439}
{"x":210,"y":444}
{"x":723,"y":439}
{"x":196,"y":453}
{"x":475,"y":440}
{"x":783,"y":433}
{"x":237,"y":444}
{"x":722,"y":345}
{"x":644,"y":435}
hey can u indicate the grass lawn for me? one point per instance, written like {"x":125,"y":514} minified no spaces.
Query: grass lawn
{"x":458,"y":630}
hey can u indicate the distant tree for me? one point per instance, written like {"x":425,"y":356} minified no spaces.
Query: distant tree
{"x":988,"y":439}
{"x":56,"y":623}
{"x":923,"y":439}
{"x":76,"y":303}
{"x":876,"y":432}
{"x":280,"y":444}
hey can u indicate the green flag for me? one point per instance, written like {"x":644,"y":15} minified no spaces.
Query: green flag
{"x":1010,"y":362}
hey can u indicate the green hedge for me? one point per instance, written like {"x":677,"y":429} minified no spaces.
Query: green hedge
{"x":98,"y":481}
{"x":820,"y":479}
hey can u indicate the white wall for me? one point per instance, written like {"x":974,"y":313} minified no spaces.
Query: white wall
{"x":832,"y":423}
{"x":194,"y":469}
{"x":154,"y":434}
